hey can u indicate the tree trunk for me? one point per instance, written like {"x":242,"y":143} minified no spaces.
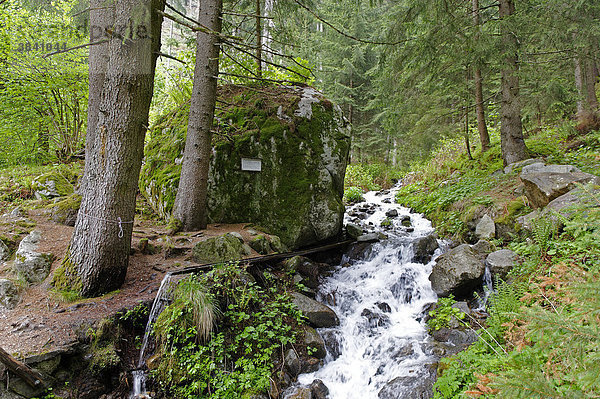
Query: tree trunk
{"x":467,"y":142}
{"x":102,"y":19}
{"x":511,"y":129}
{"x":484,"y":136}
{"x":590,"y":84}
{"x":190,"y":203}
{"x":258,"y":40}
{"x":98,"y":255}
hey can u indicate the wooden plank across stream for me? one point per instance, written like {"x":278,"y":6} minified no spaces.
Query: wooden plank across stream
{"x":263,"y":259}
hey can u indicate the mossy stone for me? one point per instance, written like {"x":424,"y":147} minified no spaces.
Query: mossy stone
{"x":218,"y":249}
{"x":260,"y":244}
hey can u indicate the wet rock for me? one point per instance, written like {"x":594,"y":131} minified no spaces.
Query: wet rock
{"x":359,"y":251}
{"x":9,"y":295}
{"x":501,"y":262}
{"x":416,"y":386}
{"x":292,"y":363}
{"x":370,"y":237}
{"x":375,"y":319}
{"x":354,"y":230}
{"x":424,"y":248}
{"x":318,"y":315}
{"x":298,"y":393}
{"x":32,"y":265}
{"x":218,"y":249}
{"x":457,"y":272}
{"x":4,"y":251}
{"x":402,"y":352}
{"x":546,"y":183}
{"x":384,"y":307}
{"x":387,"y":201}
{"x":319,"y":390}
{"x":392,"y":213}
{"x":313,"y":340}
{"x":455,"y":340}
{"x":405,"y":289}
{"x":406,"y":221}
{"x":486,"y":228}
{"x":310,"y":364}
{"x":332,"y":343}
{"x":482,"y":248}
{"x":260,"y":244}
{"x":277,"y":245}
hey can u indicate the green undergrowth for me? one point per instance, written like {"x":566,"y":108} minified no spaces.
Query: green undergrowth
{"x":223,"y":334}
{"x":542,"y":336}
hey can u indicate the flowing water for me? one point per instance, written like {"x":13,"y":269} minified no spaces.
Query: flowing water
{"x":159,"y":304}
{"x":381,"y":348}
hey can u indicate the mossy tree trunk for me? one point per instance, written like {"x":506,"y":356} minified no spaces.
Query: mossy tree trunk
{"x":511,"y":127}
{"x":190,"y":203}
{"x":98,"y":255}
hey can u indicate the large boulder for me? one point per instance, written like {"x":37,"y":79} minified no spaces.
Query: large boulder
{"x":424,"y":248}
{"x":501,"y":262}
{"x":457,"y":272}
{"x":53,"y":184}
{"x":313,"y":340}
{"x":33,"y":266}
{"x":544,"y":183}
{"x":318,"y":315}
{"x":218,"y":249}
{"x":486,"y":228}
{"x":302,"y":142}
{"x":9,"y":295}
{"x":415,"y":386}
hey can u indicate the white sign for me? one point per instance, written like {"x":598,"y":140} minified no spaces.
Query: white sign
{"x":251,"y":165}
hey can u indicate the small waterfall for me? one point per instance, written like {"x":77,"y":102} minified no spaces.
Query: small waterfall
{"x":382,"y":347}
{"x":488,"y":289}
{"x":159,"y":304}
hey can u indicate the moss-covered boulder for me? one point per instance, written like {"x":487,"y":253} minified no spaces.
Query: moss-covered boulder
{"x":302,"y":141}
{"x":58,"y":182}
{"x":218,"y":249}
{"x":65,"y":211}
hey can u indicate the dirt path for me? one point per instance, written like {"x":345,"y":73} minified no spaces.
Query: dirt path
{"x":42,"y":321}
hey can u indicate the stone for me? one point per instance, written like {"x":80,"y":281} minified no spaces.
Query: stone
{"x":298,"y":193}
{"x":237,"y":235}
{"x":424,"y":248}
{"x":292,"y":363}
{"x":4,"y":252}
{"x":501,"y":262}
{"x":486,"y":228}
{"x":517,"y":165}
{"x":332,"y":342}
{"x":318,"y":315}
{"x":546,"y":183}
{"x":260,"y":244}
{"x":370,"y":237}
{"x":354,"y":230}
{"x":33,"y":266}
{"x":218,"y":249}
{"x":313,"y":340}
{"x":563,"y":206}
{"x":406,"y":221}
{"x":298,"y":393}
{"x":457,"y":272}
{"x":9,"y":295}
{"x":392,"y":213}
{"x":9,"y":395}
{"x":482,"y":248}
{"x":65,"y":211}
{"x":310,"y":364}
{"x":415,"y":386}
{"x":319,"y":390}
{"x":277,"y":245}
{"x":53,"y":184}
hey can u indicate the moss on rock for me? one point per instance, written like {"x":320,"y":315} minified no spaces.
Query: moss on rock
{"x":298,"y":193}
{"x":218,"y":249}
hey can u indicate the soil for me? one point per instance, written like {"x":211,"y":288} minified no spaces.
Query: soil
{"x":43,"y":321}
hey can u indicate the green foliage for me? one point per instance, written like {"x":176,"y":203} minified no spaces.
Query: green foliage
{"x":254,"y":325}
{"x":353,"y":194}
{"x":443,"y":314}
{"x":371,"y":177}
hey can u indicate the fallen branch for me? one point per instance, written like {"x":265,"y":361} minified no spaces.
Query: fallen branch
{"x":30,"y":376}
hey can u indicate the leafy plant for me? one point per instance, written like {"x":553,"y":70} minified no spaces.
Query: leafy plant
{"x":444,"y":313}
{"x":353,"y":194}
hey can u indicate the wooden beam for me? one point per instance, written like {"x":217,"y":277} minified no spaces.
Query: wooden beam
{"x":30,"y":376}
{"x":263,"y":259}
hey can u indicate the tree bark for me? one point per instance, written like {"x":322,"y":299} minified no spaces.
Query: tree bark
{"x":258,"y":40}
{"x":98,"y":255}
{"x":102,"y":19}
{"x":484,"y":136}
{"x":511,"y":128}
{"x":190,"y":202}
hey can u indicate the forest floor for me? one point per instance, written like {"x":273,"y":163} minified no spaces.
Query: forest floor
{"x":44,"y":321}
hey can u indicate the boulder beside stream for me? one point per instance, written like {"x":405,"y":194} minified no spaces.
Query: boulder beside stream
{"x":458,"y":272}
{"x":318,"y":315}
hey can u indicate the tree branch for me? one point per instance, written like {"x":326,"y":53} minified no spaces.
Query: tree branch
{"x":75,"y":48}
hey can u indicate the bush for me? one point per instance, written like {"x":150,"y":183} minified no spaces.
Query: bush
{"x":353,"y":194}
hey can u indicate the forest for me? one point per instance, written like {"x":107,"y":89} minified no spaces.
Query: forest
{"x":182,"y":140}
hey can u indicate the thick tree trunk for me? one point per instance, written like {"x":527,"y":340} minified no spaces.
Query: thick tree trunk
{"x":585,"y":81}
{"x":511,"y":128}
{"x":484,"y":136}
{"x":98,"y":255}
{"x":190,"y":203}
{"x":102,"y":19}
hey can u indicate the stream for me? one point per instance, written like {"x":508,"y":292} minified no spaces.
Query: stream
{"x":381,"y":349}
